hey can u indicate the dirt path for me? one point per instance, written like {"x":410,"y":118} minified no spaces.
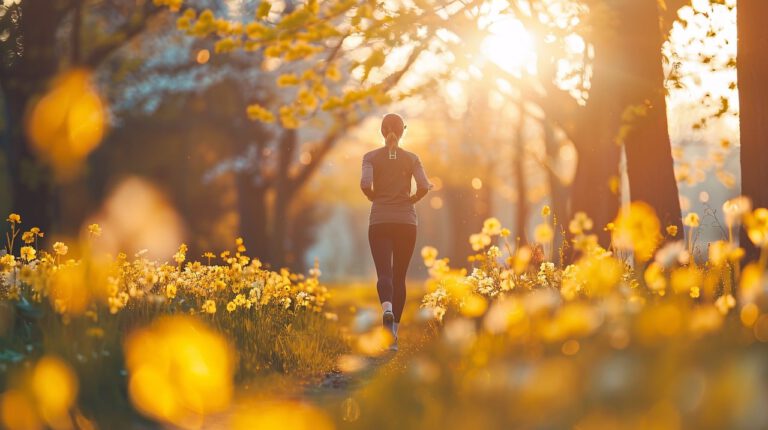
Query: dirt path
{"x":338,"y":390}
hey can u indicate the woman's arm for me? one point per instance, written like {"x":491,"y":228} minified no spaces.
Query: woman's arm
{"x":422,"y":183}
{"x":366,"y":180}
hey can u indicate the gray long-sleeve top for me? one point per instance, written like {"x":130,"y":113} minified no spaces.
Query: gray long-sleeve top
{"x":386,"y":181}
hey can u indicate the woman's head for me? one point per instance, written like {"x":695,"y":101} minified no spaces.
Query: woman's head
{"x":392,"y":128}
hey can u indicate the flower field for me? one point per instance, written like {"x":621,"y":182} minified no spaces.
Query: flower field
{"x":641,"y":335}
{"x":106,"y":337}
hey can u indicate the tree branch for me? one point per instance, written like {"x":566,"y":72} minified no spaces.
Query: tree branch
{"x":77,"y":23}
{"x":129,"y":30}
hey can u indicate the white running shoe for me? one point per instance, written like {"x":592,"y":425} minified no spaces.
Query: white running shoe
{"x":393,"y":346}
{"x":389,"y":321}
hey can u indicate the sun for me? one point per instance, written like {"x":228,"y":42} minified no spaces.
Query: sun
{"x":510,"y":46}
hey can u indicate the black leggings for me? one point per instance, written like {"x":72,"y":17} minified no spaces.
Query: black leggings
{"x":392,"y":247}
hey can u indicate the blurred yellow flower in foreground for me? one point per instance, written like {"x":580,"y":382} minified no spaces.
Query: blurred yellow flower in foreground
{"x":735,"y":209}
{"x":55,"y":387}
{"x":756,"y":224}
{"x":637,"y":228}
{"x":60,"y":248}
{"x":46,"y":397}
{"x":180,"y":370}
{"x":68,"y":122}
{"x":543,"y":233}
{"x":479,"y":241}
{"x":282,"y":415}
{"x":473,"y":305}
{"x":429,"y":255}
{"x":374,"y":342}
{"x":580,"y":223}
{"x":14,"y":219}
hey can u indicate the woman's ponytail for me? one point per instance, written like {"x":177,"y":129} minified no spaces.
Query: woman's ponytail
{"x":392,"y":139}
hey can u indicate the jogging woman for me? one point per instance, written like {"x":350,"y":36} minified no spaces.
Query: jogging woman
{"x":386,"y":181}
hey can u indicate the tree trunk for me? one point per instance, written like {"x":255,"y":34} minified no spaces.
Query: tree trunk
{"x":558,"y":193}
{"x":650,"y":167}
{"x":464,"y":221}
{"x":252,"y":208}
{"x":31,"y":183}
{"x":521,"y":208}
{"x":595,"y":133}
{"x":284,"y":193}
{"x":753,"y":93}
{"x":626,"y":104}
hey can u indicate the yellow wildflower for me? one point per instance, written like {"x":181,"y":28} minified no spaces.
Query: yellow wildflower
{"x":60,"y":248}
{"x":672,"y":230}
{"x":28,"y":253}
{"x":170,"y":291}
{"x":94,"y":230}
{"x":209,"y":307}
{"x":479,"y":241}
{"x":181,"y":255}
{"x":14,"y":219}
{"x":491,"y":226}
{"x":209,"y":255}
{"x":691,"y":220}
{"x":8,"y":260}
{"x":231,"y":306}
{"x":27,"y":237}
{"x":240,"y":244}
{"x":545,"y":211}
{"x":31,"y":235}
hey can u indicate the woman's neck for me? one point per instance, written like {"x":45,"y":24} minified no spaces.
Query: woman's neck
{"x":392,"y":150}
